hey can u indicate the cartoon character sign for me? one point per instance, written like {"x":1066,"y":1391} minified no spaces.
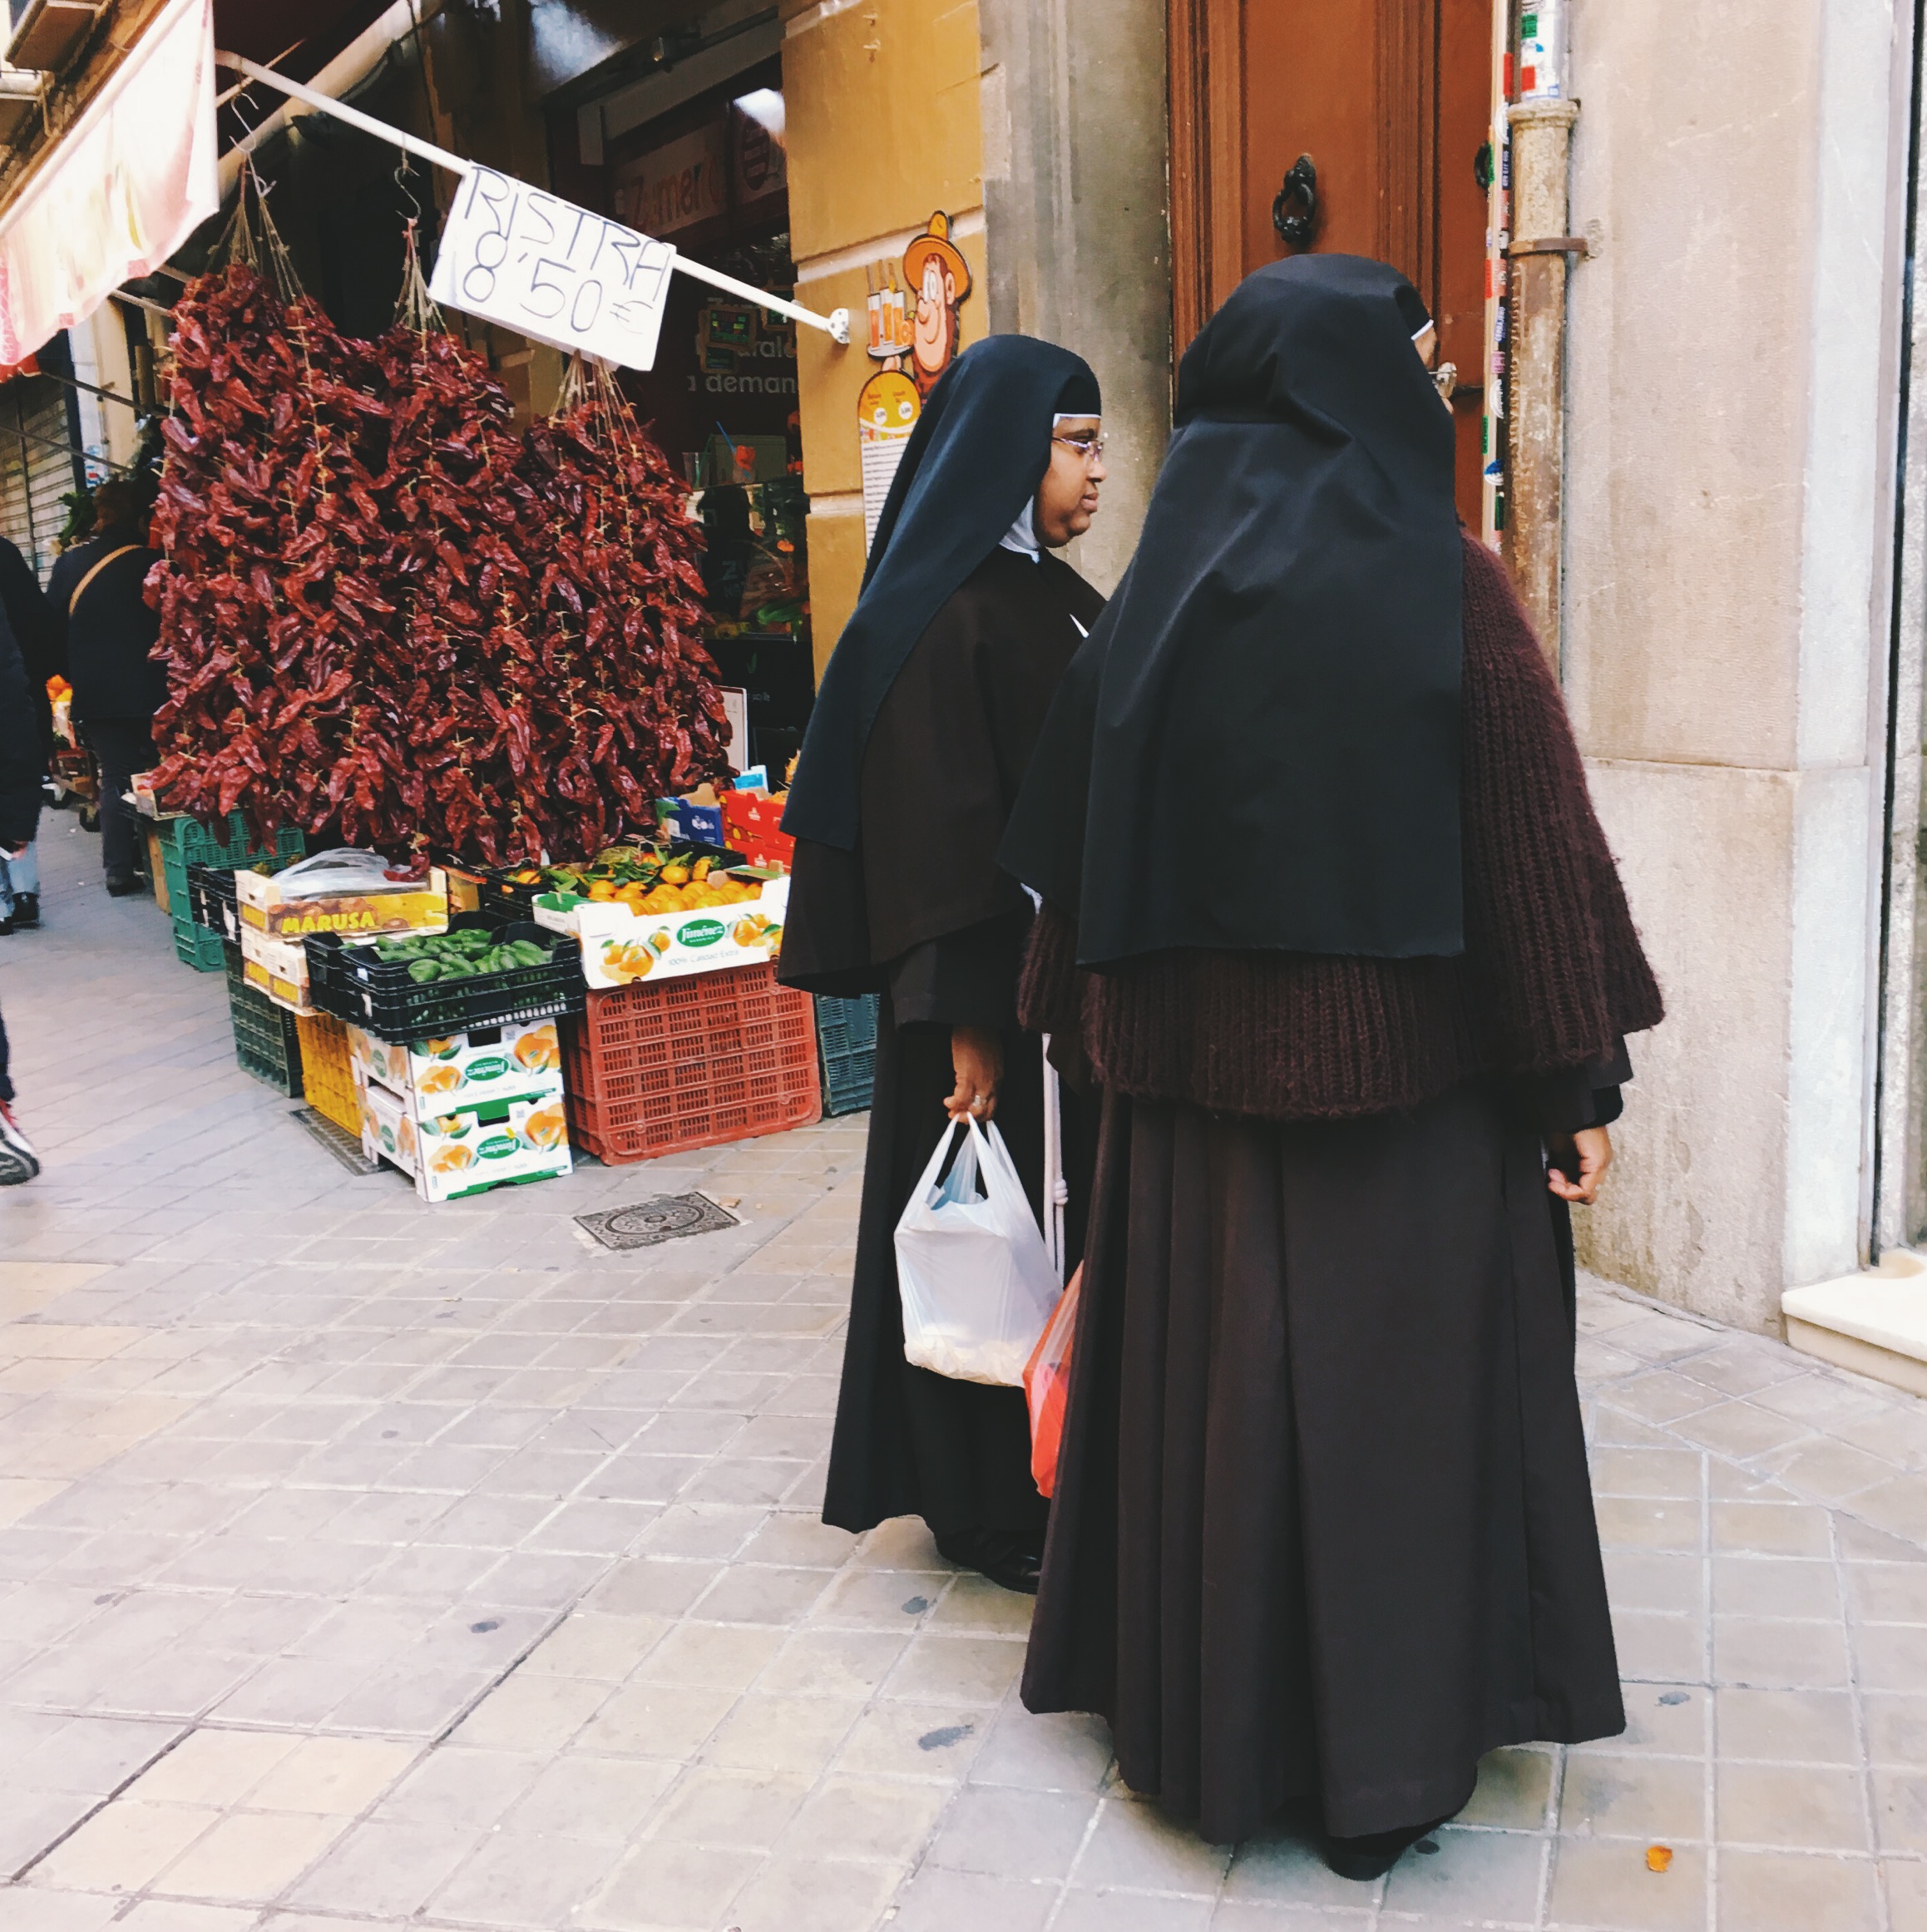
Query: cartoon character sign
{"x":914,"y":331}
{"x":934,"y":268}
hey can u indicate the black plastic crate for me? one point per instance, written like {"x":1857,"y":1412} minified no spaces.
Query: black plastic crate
{"x":355,"y":983}
{"x":211,"y":900}
{"x":267,"y":1037}
{"x":847,"y":1038}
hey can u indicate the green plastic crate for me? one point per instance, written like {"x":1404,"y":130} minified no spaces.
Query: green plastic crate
{"x":185,"y":844}
{"x":185,"y":841}
{"x":267,"y":1037}
{"x":194,"y":946}
{"x":847,"y":1039}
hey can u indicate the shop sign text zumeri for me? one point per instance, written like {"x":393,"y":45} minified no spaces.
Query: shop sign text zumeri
{"x":532,"y":262}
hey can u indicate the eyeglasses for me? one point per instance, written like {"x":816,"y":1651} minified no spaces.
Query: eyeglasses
{"x":1090,"y":447}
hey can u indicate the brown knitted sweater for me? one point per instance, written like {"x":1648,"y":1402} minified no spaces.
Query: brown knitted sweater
{"x":1553,"y":973}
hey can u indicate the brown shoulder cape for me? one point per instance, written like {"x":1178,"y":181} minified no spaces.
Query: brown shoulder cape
{"x":1552,"y":975}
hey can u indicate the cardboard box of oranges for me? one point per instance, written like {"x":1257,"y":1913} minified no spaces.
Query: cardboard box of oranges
{"x":489,"y":1143}
{"x":728,"y":919}
{"x":519,"y":1060}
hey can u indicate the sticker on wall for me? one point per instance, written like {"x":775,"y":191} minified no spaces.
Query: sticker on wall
{"x":913,"y":335}
{"x":887,"y":411}
{"x":1541,"y":50}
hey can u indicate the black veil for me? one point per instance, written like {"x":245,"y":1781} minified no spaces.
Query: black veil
{"x":976,"y":458}
{"x":1258,"y":745}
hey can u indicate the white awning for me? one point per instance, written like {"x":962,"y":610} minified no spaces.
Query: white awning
{"x":124,"y":187}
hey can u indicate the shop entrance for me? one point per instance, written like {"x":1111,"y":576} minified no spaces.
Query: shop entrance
{"x":1389,"y":104}
{"x":711,"y":175}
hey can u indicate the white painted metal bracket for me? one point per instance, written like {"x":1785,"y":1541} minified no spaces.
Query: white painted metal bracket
{"x":836,"y":324}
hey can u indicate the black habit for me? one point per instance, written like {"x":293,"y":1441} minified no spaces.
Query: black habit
{"x":920,"y":913}
{"x":1323,"y":1526}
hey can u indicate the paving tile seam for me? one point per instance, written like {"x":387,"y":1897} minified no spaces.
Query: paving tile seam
{"x":140,"y":1771}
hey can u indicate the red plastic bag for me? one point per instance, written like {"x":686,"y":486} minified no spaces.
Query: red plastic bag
{"x":1047,"y":1382}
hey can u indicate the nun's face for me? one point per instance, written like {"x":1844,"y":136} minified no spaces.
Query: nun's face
{"x":1067,"y":498}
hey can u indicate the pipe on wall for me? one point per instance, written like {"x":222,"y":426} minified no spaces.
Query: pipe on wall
{"x":1535,"y":522}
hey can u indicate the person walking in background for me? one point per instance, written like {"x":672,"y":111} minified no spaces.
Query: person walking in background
{"x":34,"y":631}
{"x":107,"y":632}
{"x":919,"y":738}
{"x":1323,"y":1529}
{"x":20,"y":767}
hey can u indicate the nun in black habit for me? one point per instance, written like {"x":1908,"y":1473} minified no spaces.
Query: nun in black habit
{"x":1331,"y":925}
{"x":921,"y":733}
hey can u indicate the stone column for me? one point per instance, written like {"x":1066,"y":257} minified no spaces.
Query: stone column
{"x":1078,"y":224}
{"x":1733,"y":357}
{"x":1535,"y":360}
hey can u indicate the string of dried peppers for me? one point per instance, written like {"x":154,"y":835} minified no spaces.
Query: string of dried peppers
{"x":387,"y":615}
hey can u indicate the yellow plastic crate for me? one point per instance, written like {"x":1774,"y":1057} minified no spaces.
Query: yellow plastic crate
{"x":327,"y":1073}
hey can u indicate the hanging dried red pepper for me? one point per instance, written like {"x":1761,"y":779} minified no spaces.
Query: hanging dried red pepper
{"x":387,"y":617}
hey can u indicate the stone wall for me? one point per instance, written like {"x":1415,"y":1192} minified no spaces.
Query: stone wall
{"x":1074,"y":166}
{"x":1729,"y":532}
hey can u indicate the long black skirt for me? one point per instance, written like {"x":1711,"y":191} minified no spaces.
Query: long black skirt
{"x":1323,"y":1528}
{"x":908,"y":1442}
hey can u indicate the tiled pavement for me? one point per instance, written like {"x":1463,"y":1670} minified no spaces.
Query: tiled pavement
{"x":370,"y":1564}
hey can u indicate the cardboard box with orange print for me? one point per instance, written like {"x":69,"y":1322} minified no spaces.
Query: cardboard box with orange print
{"x":491,"y":1143}
{"x":621,"y":945}
{"x":521,"y":1061}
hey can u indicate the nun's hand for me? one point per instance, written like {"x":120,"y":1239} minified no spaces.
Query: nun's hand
{"x":976,"y":1054}
{"x":1579,"y":1164}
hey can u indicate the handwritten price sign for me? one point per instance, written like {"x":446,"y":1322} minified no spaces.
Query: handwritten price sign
{"x":538,"y":264}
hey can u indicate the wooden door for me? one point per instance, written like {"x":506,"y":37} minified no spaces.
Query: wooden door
{"x":1391,"y":100}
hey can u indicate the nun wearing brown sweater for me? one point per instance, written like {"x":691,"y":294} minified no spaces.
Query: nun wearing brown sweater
{"x":1329,"y":926}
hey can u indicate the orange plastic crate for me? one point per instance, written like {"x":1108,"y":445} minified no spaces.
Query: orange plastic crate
{"x":692,"y":1062}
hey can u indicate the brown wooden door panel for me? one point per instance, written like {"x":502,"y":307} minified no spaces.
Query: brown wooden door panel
{"x":1352,"y":83}
{"x":1458,"y":298}
{"x":1389,"y":98}
{"x":1308,"y":89}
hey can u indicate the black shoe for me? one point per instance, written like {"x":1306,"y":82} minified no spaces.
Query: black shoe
{"x":1374,"y":1855}
{"x":120,"y":884}
{"x":25,"y":910}
{"x":1006,"y":1559}
{"x":5,"y":926}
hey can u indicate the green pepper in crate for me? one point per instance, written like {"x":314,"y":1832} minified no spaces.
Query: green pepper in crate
{"x":463,"y":955}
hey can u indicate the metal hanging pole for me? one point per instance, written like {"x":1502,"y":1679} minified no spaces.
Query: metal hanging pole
{"x":836,"y":324}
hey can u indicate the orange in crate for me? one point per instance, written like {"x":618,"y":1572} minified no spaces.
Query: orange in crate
{"x":691,"y":1062}
{"x":327,"y":1071}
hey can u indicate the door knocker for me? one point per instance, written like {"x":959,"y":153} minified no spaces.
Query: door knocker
{"x":1300,"y":184}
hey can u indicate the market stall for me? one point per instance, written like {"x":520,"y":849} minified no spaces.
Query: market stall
{"x":445,"y":785}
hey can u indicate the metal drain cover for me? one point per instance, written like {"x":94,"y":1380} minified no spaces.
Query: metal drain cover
{"x":344,"y":1146}
{"x":668,"y":1217}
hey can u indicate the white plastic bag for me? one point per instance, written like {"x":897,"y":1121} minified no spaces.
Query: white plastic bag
{"x":976,"y":1280}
